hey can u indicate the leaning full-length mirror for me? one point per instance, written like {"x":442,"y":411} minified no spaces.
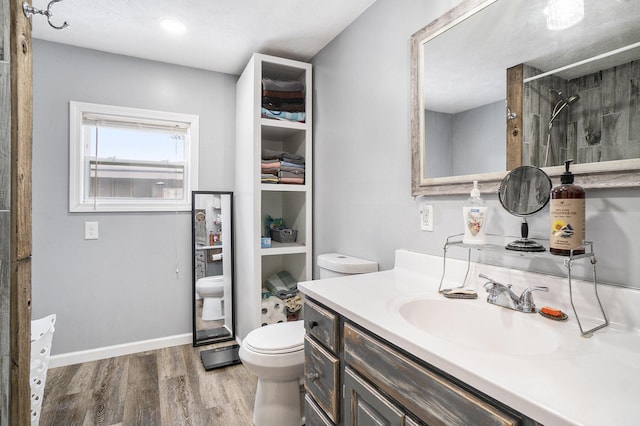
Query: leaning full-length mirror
{"x":497,"y":84}
{"x":212,"y":245}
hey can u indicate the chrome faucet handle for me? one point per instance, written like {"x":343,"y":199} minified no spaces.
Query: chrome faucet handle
{"x":494,"y":286}
{"x":525,"y":303}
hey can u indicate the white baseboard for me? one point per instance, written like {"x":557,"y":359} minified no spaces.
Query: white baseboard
{"x":78,"y":357}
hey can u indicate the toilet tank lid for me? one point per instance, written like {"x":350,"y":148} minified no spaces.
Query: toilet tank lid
{"x":346,"y":264}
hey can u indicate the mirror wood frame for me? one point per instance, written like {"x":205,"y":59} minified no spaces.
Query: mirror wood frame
{"x":610,"y":174}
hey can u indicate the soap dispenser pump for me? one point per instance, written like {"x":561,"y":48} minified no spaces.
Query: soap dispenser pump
{"x":567,"y":214}
{"x":474,"y":215}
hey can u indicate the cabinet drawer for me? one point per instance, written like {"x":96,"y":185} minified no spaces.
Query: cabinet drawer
{"x":431,"y":397}
{"x":364,"y":405}
{"x":313,"y":414}
{"x":322,"y":377}
{"x":321,"y":324}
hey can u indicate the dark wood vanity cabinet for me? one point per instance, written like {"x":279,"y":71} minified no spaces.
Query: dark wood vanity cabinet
{"x":354,"y":378}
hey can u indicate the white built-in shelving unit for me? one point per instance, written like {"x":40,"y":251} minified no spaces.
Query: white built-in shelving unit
{"x":255,"y":200}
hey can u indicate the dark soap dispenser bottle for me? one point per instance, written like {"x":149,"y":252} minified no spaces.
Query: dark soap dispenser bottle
{"x":567,"y":211}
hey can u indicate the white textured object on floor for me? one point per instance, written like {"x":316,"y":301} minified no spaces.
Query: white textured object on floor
{"x":41,"y":338}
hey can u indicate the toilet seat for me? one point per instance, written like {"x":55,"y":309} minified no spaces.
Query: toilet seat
{"x":281,"y":338}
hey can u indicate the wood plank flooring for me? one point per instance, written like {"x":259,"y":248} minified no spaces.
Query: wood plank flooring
{"x":163,"y":387}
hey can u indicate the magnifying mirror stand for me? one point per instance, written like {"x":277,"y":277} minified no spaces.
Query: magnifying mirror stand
{"x":524,"y":243}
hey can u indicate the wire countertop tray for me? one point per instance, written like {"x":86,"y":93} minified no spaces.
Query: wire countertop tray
{"x":568,"y":262}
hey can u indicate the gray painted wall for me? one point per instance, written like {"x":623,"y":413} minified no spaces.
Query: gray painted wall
{"x":438,"y":144}
{"x":478,"y":132}
{"x":362,"y":191}
{"x":456,"y":144}
{"x":123,"y":287}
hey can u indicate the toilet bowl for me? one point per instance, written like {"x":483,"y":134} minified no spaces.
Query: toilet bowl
{"x":211,"y":289}
{"x":275,"y":353}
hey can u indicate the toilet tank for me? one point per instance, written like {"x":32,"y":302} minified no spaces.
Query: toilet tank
{"x":339,"y":265}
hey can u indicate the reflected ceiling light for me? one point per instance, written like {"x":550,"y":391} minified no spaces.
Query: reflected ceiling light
{"x":563,"y":14}
{"x":173,"y":25}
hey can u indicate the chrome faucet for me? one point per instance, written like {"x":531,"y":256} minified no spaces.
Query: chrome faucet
{"x":501,"y":295}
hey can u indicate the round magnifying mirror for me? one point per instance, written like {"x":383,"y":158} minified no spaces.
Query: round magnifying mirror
{"x":525,"y":191}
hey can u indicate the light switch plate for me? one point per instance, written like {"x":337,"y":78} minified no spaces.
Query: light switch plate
{"x":91,"y":230}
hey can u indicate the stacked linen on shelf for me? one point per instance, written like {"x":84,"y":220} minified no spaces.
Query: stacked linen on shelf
{"x":283,"y":100}
{"x":282,"y":284}
{"x":282,"y":167}
{"x":270,"y":166}
{"x":292,"y":169}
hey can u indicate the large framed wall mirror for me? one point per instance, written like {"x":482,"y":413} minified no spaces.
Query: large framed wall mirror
{"x":527,"y":84}
{"x":213,"y":274}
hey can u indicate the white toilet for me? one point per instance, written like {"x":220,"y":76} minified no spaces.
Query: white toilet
{"x":211,"y":289}
{"x":275,"y":353}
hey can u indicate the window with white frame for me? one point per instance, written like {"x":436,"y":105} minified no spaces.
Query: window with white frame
{"x":128,"y":159}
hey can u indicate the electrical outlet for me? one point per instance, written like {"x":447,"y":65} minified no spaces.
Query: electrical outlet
{"x":91,"y":230}
{"x":426,"y":218}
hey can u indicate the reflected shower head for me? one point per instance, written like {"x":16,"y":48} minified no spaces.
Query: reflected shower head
{"x":563,"y":98}
{"x":557,"y":109}
{"x":562,"y":103}
{"x":573,"y":99}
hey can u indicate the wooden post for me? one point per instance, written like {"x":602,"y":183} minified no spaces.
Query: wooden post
{"x":515,"y":90}
{"x":20,"y":236}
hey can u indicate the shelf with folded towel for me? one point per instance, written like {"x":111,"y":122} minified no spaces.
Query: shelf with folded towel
{"x":283,"y":131}
{"x":284,"y":187}
{"x":280,"y":129}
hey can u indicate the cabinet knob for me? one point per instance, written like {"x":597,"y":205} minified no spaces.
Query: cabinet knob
{"x":313,"y":376}
{"x":312,"y":324}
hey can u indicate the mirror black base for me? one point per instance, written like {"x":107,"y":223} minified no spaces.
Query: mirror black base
{"x":525,"y":244}
{"x":220,"y":357}
{"x":212,"y":333}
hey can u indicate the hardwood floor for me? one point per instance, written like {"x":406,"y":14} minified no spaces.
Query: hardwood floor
{"x":164,"y":387}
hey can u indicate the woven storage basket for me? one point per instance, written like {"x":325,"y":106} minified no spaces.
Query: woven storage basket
{"x":284,"y":235}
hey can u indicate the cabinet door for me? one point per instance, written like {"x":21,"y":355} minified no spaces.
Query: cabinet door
{"x":314,"y":416}
{"x":322,"y":377}
{"x":365,"y":406}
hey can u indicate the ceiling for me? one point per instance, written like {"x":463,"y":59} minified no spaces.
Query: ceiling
{"x":221,"y":35}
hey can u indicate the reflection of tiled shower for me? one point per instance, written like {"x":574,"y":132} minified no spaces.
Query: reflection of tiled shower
{"x":200,"y":233}
{"x":603,"y":126}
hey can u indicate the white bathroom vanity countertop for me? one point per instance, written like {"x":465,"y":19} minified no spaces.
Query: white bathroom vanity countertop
{"x":573,"y":381}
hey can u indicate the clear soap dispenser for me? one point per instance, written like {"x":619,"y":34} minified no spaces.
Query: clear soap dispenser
{"x":474,"y":214}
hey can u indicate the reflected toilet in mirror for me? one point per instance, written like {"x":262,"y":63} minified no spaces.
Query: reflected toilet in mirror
{"x":525,"y":191}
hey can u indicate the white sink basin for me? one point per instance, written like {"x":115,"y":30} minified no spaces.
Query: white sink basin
{"x":477,"y":325}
